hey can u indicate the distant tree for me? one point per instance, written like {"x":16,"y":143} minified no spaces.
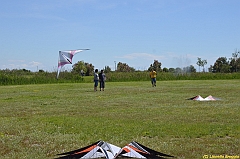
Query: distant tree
{"x":156,"y":66}
{"x":165,"y":69}
{"x":235,"y":62}
{"x":186,"y":69}
{"x":78,"y":67}
{"x":189,"y":69}
{"x":90,"y":69}
{"x":107,"y":69}
{"x":171,"y":70}
{"x":192,"y":68}
{"x":82,"y":66}
{"x":123,"y":67}
{"x":178,"y":70}
{"x":201,"y":63}
{"x":221,"y":65}
{"x":204,"y":62}
{"x":238,"y":65}
{"x":25,"y":70}
{"x":210,"y":69}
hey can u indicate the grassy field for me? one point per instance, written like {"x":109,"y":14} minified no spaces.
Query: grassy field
{"x":40,"y":121}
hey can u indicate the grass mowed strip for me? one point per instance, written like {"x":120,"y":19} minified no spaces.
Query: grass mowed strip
{"x":40,"y":121}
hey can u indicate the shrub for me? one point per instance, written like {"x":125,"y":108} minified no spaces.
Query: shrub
{"x":20,"y":77}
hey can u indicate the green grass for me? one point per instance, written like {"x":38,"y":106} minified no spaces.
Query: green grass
{"x":40,"y":121}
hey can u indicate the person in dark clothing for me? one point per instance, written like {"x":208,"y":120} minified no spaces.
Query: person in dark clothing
{"x":96,"y":79}
{"x":102,"y":79}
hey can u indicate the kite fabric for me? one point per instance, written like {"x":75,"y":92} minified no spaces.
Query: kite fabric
{"x":136,"y":150}
{"x":98,"y":149}
{"x":65,"y":57}
{"x":208,"y":98}
{"x":101,"y":149}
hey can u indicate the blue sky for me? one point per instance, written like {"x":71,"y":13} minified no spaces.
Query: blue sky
{"x":136,"y":32}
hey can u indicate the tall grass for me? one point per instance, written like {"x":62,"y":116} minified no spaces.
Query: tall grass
{"x":19,"y":78}
{"x":166,"y":76}
{"x":38,"y":78}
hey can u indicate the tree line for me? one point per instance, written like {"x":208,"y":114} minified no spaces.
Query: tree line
{"x":221,"y":65}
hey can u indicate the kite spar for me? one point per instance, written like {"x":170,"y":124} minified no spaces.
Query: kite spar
{"x":65,"y":57}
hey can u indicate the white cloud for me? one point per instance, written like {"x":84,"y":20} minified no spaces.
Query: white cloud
{"x":34,"y":64}
{"x":22,"y":64}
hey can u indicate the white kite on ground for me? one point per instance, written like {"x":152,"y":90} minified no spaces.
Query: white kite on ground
{"x":208,"y":98}
{"x":103,"y":149}
{"x":65,"y":57}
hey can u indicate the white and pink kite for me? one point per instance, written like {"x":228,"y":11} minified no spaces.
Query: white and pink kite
{"x":65,"y":57}
{"x":200,"y":98}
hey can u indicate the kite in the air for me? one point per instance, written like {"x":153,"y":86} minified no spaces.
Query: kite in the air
{"x":103,"y":149}
{"x":65,"y":57}
{"x":208,"y":98}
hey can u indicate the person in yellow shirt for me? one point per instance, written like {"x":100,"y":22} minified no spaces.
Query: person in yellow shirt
{"x":153,"y":76}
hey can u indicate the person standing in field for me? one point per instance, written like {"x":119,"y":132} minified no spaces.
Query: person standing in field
{"x":153,"y":76}
{"x":102,"y":79}
{"x":96,"y":79}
